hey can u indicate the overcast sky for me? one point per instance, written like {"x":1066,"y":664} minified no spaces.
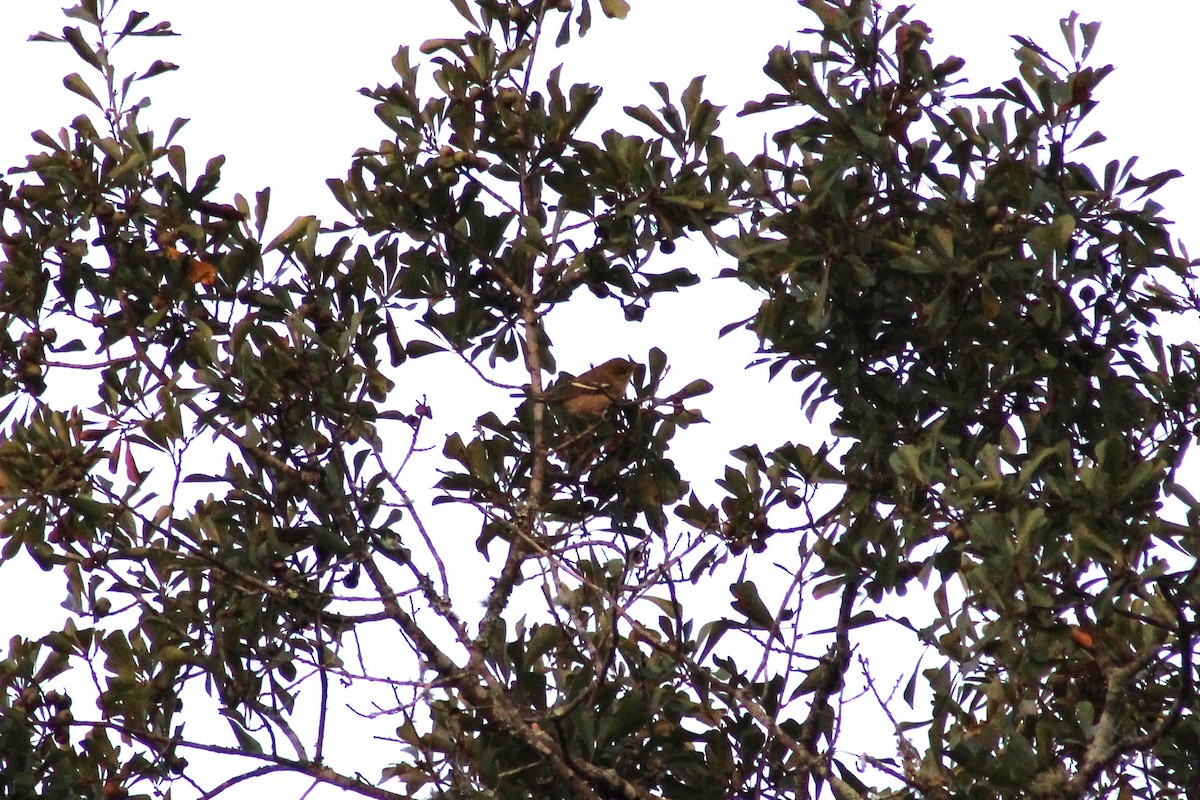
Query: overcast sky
{"x":273,"y":86}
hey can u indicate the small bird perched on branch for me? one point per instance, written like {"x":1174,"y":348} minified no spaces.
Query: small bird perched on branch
{"x":591,"y":394}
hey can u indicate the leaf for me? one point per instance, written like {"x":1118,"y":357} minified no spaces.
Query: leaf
{"x":46,"y":140}
{"x":417,"y":348}
{"x":157,"y":68}
{"x":691,"y":96}
{"x":131,"y":469}
{"x":79,"y":86}
{"x":910,"y":687}
{"x":291,"y":233}
{"x":1067,"y":25}
{"x":614,"y":8}
{"x":464,"y":11}
{"x":990,"y":302}
{"x":645,"y":116}
{"x":177,"y":158}
{"x":1089,"y":30}
{"x":159,"y":29}
{"x":907,"y":461}
{"x":246,"y":742}
{"x":1046,"y":240}
{"x":201,"y":272}
{"x":1155,"y":182}
{"x":711,"y":633}
{"x":88,"y":11}
{"x":262,"y":201}
{"x":749,"y":604}
{"x":852,"y":779}
{"x":135,"y":18}
{"x":831,"y":586}
{"x":943,"y":240}
{"x":1062,"y":228}
{"x":176,"y":126}
{"x":75,"y":38}
{"x":693,"y":389}
{"x":431,"y":46}
{"x":830,"y":16}
{"x":863,"y":619}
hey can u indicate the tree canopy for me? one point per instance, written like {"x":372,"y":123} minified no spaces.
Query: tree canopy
{"x":209,"y":439}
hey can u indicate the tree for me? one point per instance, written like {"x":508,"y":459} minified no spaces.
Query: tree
{"x":240,"y":534}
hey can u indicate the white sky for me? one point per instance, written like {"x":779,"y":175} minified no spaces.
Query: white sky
{"x":273,"y":86}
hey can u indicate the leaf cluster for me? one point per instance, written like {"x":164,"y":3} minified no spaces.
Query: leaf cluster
{"x":239,"y":511}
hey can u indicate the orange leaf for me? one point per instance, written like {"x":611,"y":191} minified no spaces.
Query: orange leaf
{"x":201,"y":272}
{"x":1082,"y":638}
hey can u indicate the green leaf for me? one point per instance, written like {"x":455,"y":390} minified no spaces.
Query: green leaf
{"x":907,"y":461}
{"x":298,"y":228}
{"x":614,"y":8}
{"x":431,"y":46}
{"x":693,"y":389}
{"x":262,"y":201}
{"x":245,"y":741}
{"x":88,"y":11}
{"x":176,"y":126}
{"x":417,"y":348}
{"x":464,"y":11}
{"x":79,"y":86}
{"x":710,"y":635}
{"x":749,"y":604}
{"x":75,"y":38}
{"x":1089,"y":30}
{"x":645,"y":116}
{"x":157,"y":68}
{"x":135,"y":19}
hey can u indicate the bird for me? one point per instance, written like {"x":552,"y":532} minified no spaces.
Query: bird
{"x":590,"y":395}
